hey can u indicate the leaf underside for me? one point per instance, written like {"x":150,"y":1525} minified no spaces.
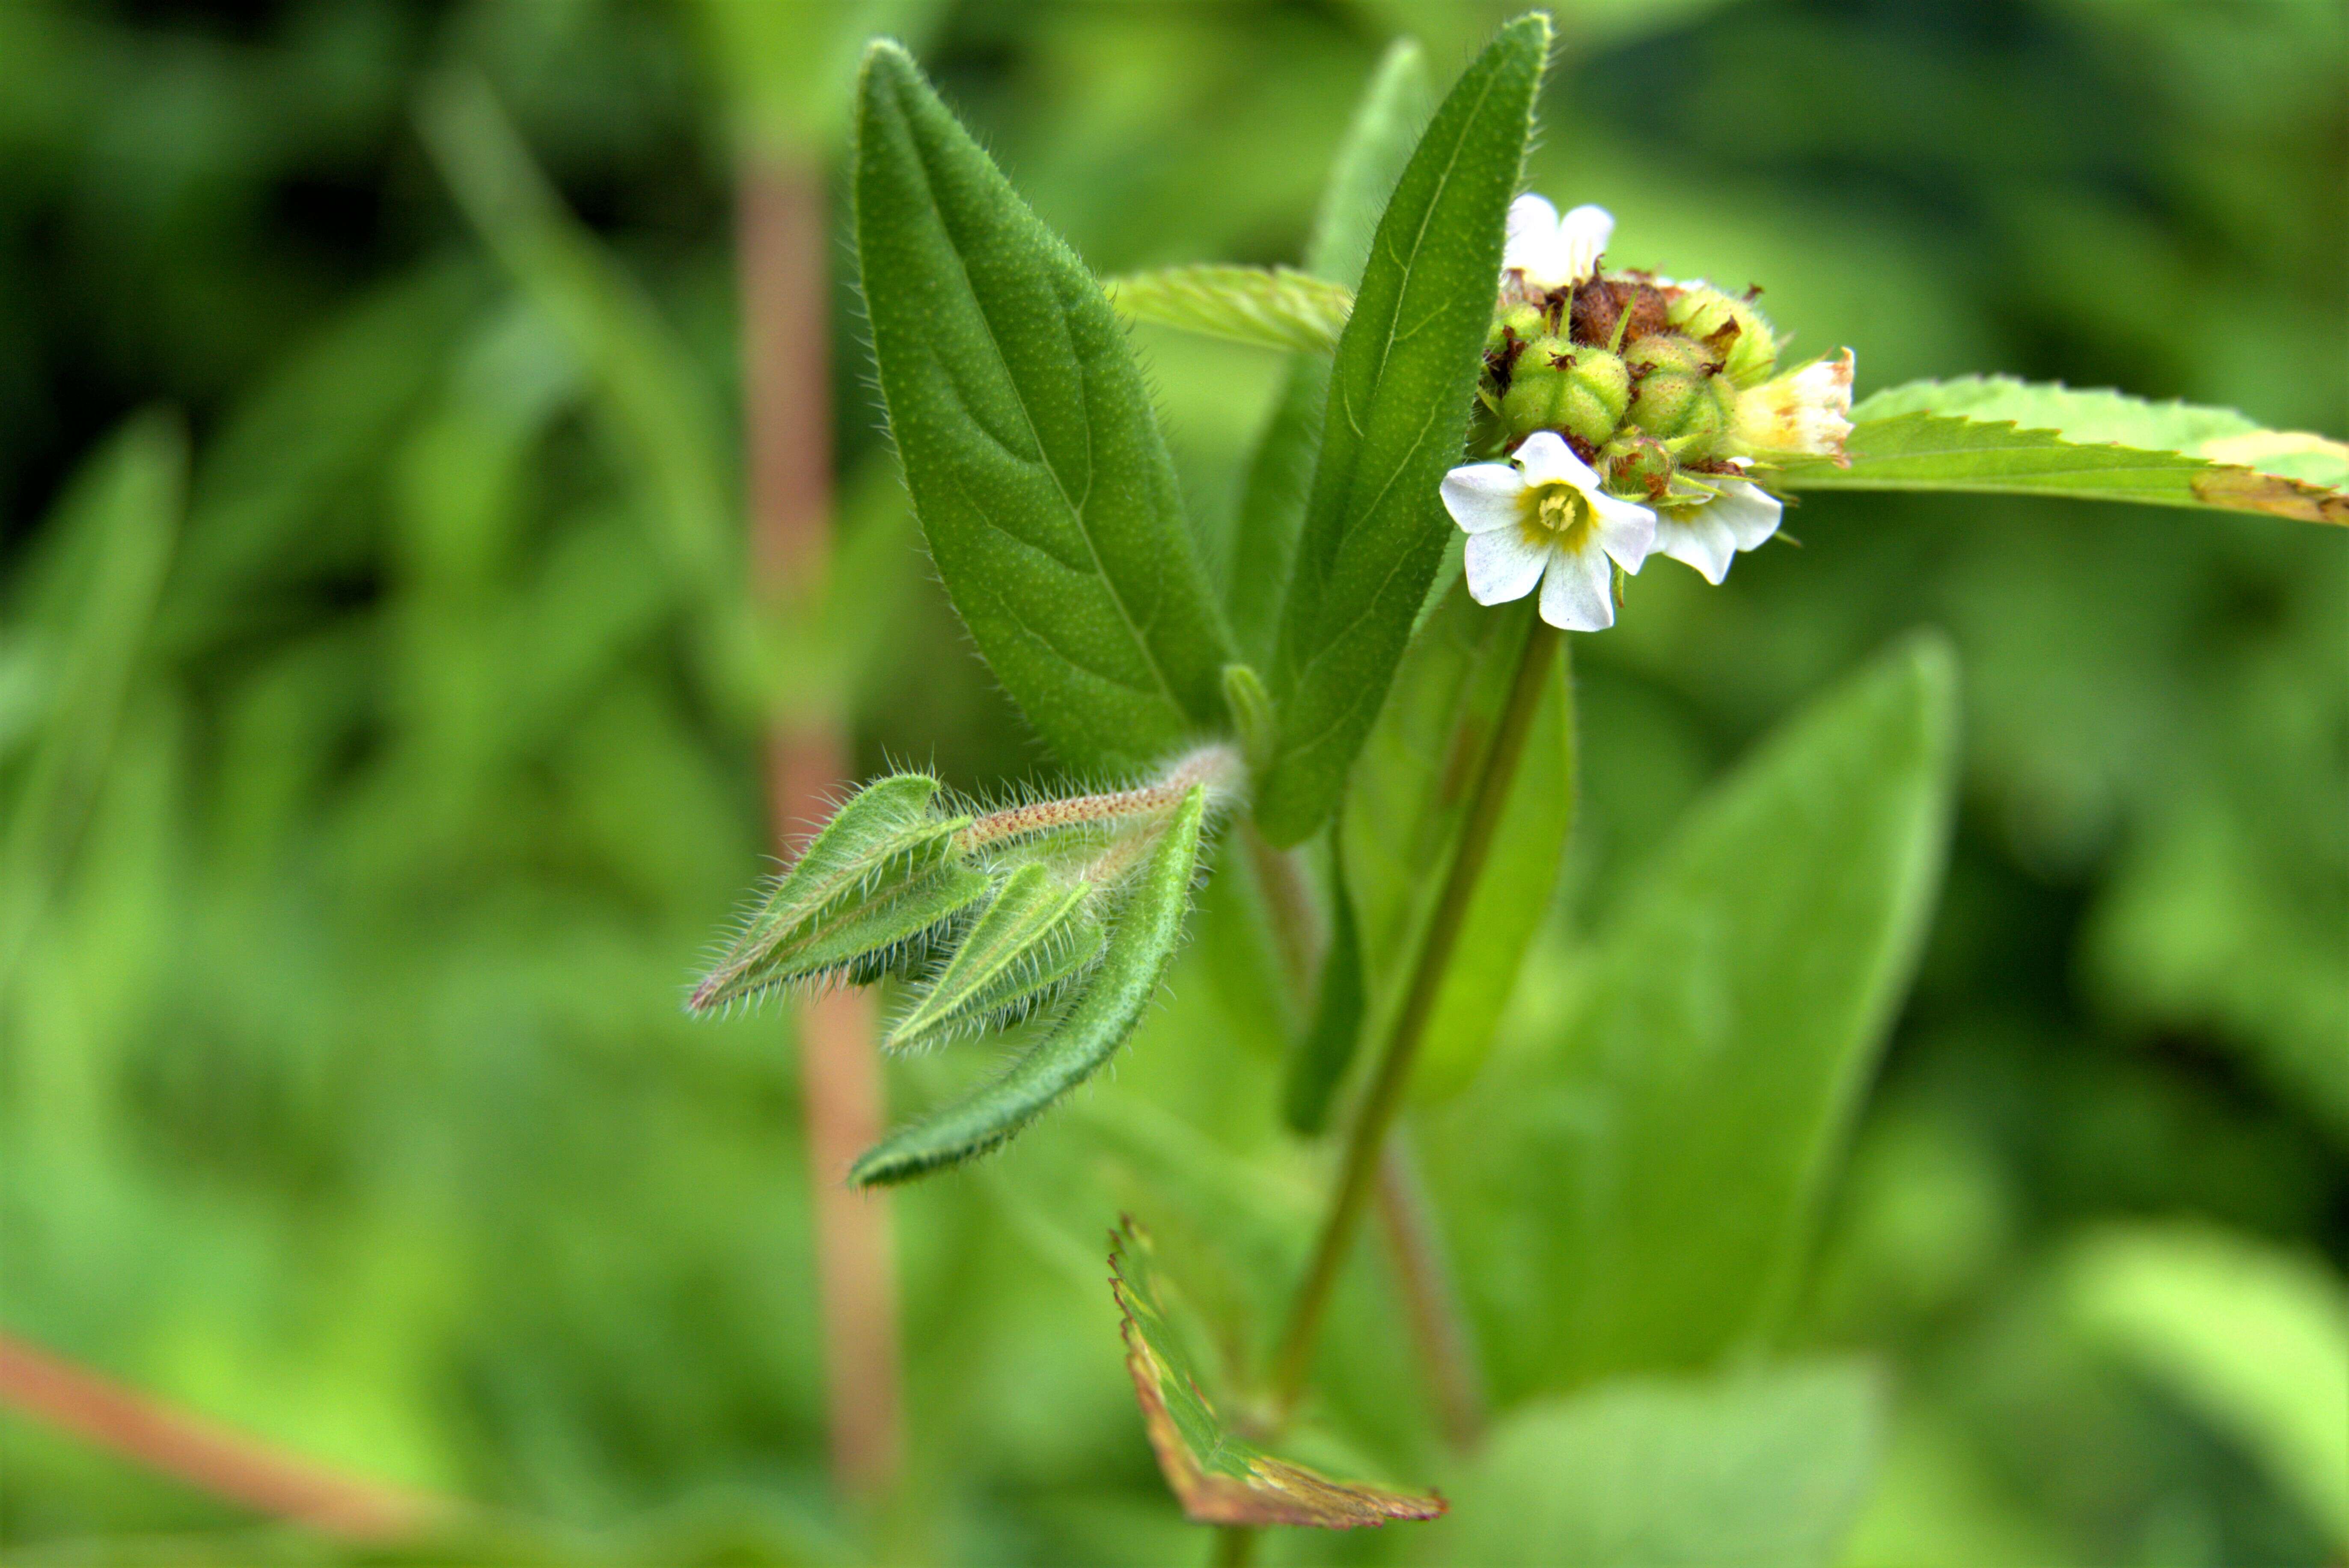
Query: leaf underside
{"x":1105,"y":1010}
{"x":1218,"y":1477}
{"x":1995,"y":435}
{"x":1268,"y":307}
{"x":1029,"y":445}
{"x":1374,"y":529}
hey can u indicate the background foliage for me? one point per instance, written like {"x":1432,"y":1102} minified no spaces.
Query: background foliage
{"x":377,"y":745}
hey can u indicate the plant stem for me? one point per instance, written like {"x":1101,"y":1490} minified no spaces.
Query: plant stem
{"x":1384,"y":1099}
{"x":1439,"y":1329}
{"x":1296,"y":926}
{"x":787,"y":408}
{"x":209,"y":1457}
{"x":1234,"y":1545}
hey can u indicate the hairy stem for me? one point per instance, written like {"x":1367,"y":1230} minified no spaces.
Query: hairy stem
{"x":208,"y":1457}
{"x":787,"y":406}
{"x":1358,"y":1175}
{"x":1216,"y":767}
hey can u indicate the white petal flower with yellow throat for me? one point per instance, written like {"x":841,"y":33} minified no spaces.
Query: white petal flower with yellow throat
{"x":1543,"y":251}
{"x":1739,"y":516}
{"x":1544,"y":520}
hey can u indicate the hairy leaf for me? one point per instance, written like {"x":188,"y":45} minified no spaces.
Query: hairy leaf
{"x":1404,"y":807}
{"x":1636,"y":1192}
{"x":1373,"y":529}
{"x":1029,"y":936}
{"x":1995,"y":435}
{"x":1143,"y":936}
{"x":1218,"y":1475}
{"x":1377,"y":145}
{"x":1757,"y":1466}
{"x":1036,"y":465}
{"x":881,"y":874}
{"x":1270,"y":307}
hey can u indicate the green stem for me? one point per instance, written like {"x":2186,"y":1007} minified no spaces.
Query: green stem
{"x":1234,"y":1546}
{"x":1384,"y":1099}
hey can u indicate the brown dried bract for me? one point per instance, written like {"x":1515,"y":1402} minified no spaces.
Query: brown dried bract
{"x":1501,"y":362}
{"x":1600,"y":305}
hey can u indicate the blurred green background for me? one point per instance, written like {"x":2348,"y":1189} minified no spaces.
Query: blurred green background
{"x":376,"y":763}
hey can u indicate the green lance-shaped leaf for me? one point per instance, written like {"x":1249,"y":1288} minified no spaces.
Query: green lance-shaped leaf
{"x":1270,"y":307}
{"x":1404,"y":807}
{"x":1377,"y":145}
{"x":1374,"y":528}
{"x":1142,"y":939}
{"x":1033,"y":934}
{"x":1373,"y":153}
{"x":1035,"y":462}
{"x":881,"y":874}
{"x":1998,"y":436}
{"x":1637,"y":1190}
{"x":1218,"y":1476}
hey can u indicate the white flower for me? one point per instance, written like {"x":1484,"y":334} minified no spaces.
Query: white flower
{"x":1546,"y":521}
{"x":1709,"y":534}
{"x":1804,"y":413}
{"x":1545,"y":251}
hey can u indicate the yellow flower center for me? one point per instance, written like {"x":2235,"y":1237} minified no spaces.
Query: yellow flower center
{"x":1553,"y":516}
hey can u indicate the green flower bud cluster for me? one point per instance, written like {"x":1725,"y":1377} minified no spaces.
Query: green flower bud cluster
{"x":1641,"y":376}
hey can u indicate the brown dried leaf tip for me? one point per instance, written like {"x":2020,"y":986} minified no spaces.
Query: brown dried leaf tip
{"x":1219,"y":1478}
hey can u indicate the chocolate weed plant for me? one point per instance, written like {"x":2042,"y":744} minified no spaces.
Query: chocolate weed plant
{"x":1371,"y":706}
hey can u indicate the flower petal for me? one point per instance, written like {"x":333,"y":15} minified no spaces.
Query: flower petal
{"x":1582,"y":236}
{"x":1503,"y":565}
{"x":1750,"y":512}
{"x":1482,"y":496}
{"x":1624,"y":529}
{"x":1531,"y":236}
{"x":1546,"y":460}
{"x":1579,"y":594}
{"x":1694,"y":535}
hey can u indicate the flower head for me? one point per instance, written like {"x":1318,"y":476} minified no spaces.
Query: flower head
{"x":1545,"y":251}
{"x":1806,"y":413}
{"x":1709,"y":534}
{"x":1544,"y":520}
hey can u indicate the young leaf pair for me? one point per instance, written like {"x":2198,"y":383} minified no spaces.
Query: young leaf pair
{"x":1030,"y":908}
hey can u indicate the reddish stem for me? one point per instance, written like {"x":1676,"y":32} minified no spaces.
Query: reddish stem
{"x":206,"y":1455}
{"x":787,"y":407}
{"x":1439,"y":1327}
